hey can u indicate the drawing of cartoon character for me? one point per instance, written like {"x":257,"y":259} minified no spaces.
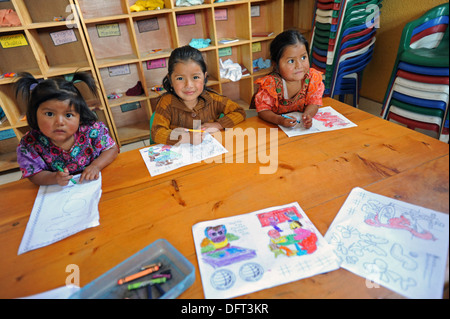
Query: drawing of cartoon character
{"x":389,"y":218}
{"x":218,"y":252}
{"x":216,"y":238}
{"x":275,"y":236}
{"x":302,"y":239}
{"x":164,"y":157}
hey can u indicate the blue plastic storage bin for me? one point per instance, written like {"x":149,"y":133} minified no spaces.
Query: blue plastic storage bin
{"x":161,"y":251}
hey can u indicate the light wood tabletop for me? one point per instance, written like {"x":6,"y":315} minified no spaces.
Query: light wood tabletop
{"x":316,"y":170}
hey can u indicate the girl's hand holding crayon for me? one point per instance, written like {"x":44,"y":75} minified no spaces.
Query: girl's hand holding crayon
{"x":191,"y":136}
{"x":288,"y":121}
{"x":63,"y":177}
{"x":212,"y":127}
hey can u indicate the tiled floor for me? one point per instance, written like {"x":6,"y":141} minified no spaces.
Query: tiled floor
{"x":364,"y":104}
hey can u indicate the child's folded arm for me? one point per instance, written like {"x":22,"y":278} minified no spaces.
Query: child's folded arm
{"x":233,"y":114}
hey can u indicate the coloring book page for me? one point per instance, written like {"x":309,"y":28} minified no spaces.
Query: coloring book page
{"x":326,"y":119}
{"x":61,"y":211}
{"x":163,"y":158}
{"x":266,"y":248}
{"x":398,"y":245}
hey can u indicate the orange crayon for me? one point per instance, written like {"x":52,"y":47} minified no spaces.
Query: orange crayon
{"x":138,"y":275}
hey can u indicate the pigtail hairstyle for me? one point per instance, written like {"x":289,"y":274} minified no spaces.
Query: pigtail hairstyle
{"x":36,"y":92}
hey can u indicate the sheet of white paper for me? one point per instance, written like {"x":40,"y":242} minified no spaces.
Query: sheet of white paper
{"x":63,"y":292}
{"x":262,"y":249}
{"x":392,"y":243}
{"x":61,"y":211}
{"x":326,"y":119}
{"x":162,"y":158}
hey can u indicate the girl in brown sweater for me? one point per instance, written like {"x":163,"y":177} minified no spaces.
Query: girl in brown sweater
{"x":188,"y":104}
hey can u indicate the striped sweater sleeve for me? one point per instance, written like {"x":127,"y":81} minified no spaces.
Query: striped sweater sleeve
{"x":161,"y":123}
{"x":233,"y":114}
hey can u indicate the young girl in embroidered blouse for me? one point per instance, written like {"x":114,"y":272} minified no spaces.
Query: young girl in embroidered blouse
{"x":64,"y":133}
{"x":188,"y":104}
{"x":292,"y":86}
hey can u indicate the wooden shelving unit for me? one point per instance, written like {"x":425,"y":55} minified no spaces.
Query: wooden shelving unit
{"x":121,"y":48}
{"x":130,"y":47}
{"x":45,"y":48}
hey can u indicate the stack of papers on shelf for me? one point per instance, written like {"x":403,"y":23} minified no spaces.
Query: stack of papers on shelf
{"x":228,"y":40}
{"x":262,"y":34}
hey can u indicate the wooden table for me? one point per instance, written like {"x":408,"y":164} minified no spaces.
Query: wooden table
{"x":317,"y":170}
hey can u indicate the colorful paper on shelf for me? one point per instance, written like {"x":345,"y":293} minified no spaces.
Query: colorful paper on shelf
{"x":108,"y":30}
{"x":156,"y":64}
{"x":13,"y":40}
{"x":63,"y":37}
{"x":220,"y":14}
{"x":185,"y":19}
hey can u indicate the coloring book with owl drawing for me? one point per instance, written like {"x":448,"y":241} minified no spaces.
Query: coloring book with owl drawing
{"x":266,"y":248}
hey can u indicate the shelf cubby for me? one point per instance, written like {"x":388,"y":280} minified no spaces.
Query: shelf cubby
{"x":239,"y":91}
{"x":234,"y":22}
{"x":61,"y":50}
{"x":112,"y":42}
{"x":195,"y":24}
{"x":160,"y":28}
{"x":133,"y":121}
{"x":266,"y":17}
{"x":101,"y":8}
{"x":18,"y":58}
{"x":154,"y":71}
{"x":41,"y":11}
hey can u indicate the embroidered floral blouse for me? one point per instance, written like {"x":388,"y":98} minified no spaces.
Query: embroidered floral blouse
{"x":270,"y":95}
{"x":36,"y":153}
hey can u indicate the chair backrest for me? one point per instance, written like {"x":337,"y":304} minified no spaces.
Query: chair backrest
{"x":429,"y":38}
{"x":435,"y":16}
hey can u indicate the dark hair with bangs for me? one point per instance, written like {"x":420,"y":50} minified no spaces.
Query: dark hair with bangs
{"x":284,"y":39}
{"x":35,"y":92}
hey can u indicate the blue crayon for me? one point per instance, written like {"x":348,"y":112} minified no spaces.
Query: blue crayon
{"x":290,"y":117}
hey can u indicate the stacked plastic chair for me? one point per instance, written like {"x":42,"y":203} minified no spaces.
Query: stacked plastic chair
{"x":418,"y":91}
{"x":342,"y":43}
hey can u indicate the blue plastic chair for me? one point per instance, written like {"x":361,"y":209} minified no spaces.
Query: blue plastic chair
{"x":426,"y":70}
{"x":355,"y":66}
{"x":434,"y":104}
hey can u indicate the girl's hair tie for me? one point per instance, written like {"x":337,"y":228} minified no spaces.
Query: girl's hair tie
{"x":32,"y":86}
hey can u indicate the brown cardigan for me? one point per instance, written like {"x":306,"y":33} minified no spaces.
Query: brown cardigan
{"x":171,"y":113}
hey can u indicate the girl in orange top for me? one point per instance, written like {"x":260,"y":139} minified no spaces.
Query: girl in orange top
{"x":292,"y":86}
